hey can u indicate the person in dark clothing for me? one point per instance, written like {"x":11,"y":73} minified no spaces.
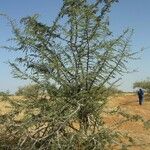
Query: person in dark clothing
{"x":141,"y":96}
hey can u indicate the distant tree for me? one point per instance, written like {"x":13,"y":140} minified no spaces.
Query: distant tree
{"x":145,"y":84}
{"x":79,"y":56}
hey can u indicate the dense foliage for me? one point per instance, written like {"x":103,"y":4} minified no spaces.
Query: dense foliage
{"x":75,"y":60}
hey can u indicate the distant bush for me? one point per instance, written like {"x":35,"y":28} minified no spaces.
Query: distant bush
{"x":145,"y":84}
{"x":35,"y":91}
{"x":3,"y":93}
{"x":29,"y":91}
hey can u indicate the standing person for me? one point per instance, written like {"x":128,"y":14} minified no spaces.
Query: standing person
{"x":141,"y":96}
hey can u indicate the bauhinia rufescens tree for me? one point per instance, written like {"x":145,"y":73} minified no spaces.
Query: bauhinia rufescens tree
{"x":76,"y":60}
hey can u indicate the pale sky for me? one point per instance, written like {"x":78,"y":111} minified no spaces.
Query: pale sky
{"x":126,"y":13}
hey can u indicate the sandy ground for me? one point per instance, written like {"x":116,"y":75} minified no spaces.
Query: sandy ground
{"x":129,"y":104}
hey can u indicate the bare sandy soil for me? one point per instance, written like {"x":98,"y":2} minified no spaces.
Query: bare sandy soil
{"x":129,"y":103}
